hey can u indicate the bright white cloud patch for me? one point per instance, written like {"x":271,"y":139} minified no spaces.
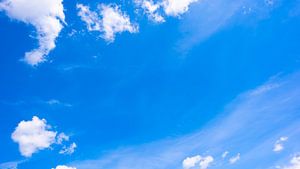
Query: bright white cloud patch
{"x":46,"y":16}
{"x":63,"y":167}
{"x":234,"y":159}
{"x":68,"y":150}
{"x":191,"y":162}
{"x":278,"y":146}
{"x":151,"y":9}
{"x":33,"y":136}
{"x":176,"y":7}
{"x":110,"y":20}
{"x":295,"y":163}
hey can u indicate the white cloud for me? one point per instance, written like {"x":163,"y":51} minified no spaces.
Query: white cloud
{"x":63,"y":167}
{"x":203,"y":162}
{"x":224,"y":155}
{"x":110,"y":20}
{"x":190,"y":162}
{"x":61,"y":138}
{"x":176,"y":7}
{"x":46,"y":16}
{"x":234,"y":159}
{"x":33,"y":136}
{"x":68,"y":150}
{"x":90,"y":18}
{"x":151,"y":9}
{"x":278,"y":146}
{"x":295,"y":163}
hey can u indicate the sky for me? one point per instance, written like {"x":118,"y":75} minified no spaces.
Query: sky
{"x":150,"y":84}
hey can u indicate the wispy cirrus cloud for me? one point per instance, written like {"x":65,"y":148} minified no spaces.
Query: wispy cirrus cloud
{"x":245,"y":129}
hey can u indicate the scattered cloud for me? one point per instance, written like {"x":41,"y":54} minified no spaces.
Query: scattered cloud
{"x":203,"y":162}
{"x":278,"y":146}
{"x":46,"y":16}
{"x":234,"y":159}
{"x":294,"y":163}
{"x":33,"y":136}
{"x":63,"y":167}
{"x":61,"y":138}
{"x":151,"y":9}
{"x":224,"y":155}
{"x":68,"y":150}
{"x":244,"y":127}
{"x":176,"y":7}
{"x":110,"y":20}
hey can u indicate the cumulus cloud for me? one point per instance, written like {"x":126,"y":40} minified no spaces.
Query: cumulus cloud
{"x":151,"y":9}
{"x":278,"y":146}
{"x":203,"y":162}
{"x":33,"y":136}
{"x":234,"y":159}
{"x":47,"y":16}
{"x":63,"y":167}
{"x":177,"y":7}
{"x":295,"y":163}
{"x":68,"y":150}
{"x":110,"y":20}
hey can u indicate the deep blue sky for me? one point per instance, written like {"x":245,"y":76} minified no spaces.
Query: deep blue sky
{"x":160,"y":83}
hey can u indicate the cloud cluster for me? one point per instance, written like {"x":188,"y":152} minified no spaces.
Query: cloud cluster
{"x":156,"y":10}
{"x":33,"y":136}
{"x":47,"y":16}
{"x":278,"y":146}
{"x":36,"y":134}
{"x":109,"y":20}
{"x":203,"y":162}
{"x":295,"y":163}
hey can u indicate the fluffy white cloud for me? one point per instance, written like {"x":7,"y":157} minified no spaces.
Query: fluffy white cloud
{"x":46,"y":16}
{"x":278,"y":146}
{"x":203,"y":162}
{"x":110,"y":20}
{"x":63,"y":167}
{"x":295,"y":163}
{"x":33,"y":136}
{"x":234,"y":159}
{"x":151,"y":9}
{"x":176,"y":7}
{"x":68,"y":150}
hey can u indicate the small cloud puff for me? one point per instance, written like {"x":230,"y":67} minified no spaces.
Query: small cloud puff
{"x":63,"y":167}
{"x":203,"y":162}
{"x":234,"y":159}
{"x":68,"y":150}
{"x":278,"y":146}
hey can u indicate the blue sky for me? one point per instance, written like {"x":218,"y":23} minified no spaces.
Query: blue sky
{"x":179,"y":84}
